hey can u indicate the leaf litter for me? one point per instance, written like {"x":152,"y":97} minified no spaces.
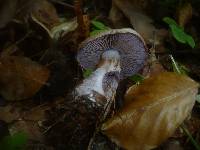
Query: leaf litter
{"x":38,"y":77}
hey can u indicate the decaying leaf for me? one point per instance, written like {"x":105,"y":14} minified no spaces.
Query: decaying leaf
{"x":7,"y":11}
{"x":43,"y":13}
{"x":184,"y":14}
{"x":10,"y":113}
{"x":63,"y":28}
{"x":30,"y":128}
{"x":138,"y":19}
{"x":21,"y":78}
{"x":46,"y":16}
{"x":152,"y":111}
{"x":42,"y":10}
{"x":46,"y":13}
{"x":117,"y":17}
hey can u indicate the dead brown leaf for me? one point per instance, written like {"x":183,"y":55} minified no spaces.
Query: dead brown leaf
{"x":7,"y":11}
{"x":142,"y":23}
{"x":10,"y":113}
{"x":21,"y":78}
{"x":46,"y":13}
{"x":152,"y":111}
{"x":184,"y":14}
{"x":31,"y":129}
{"x":40,"y":11}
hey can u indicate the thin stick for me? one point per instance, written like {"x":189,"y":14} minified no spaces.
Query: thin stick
{"x":9,"y":51}
{"x":63,"y":3}
{"x":175,"y":65}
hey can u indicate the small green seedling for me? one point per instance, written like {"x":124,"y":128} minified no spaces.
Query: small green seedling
{"x":14,"y":142}
{"x":180,"y":69}
{"x":87,"y":73}
{"x":179,"y":33}
{"x":97,"y":27}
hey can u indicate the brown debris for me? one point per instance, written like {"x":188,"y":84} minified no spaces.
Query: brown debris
{"x":21,"y":78}
{"x":184,"y":14}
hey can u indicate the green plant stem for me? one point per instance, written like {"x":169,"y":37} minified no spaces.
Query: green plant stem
{"x":174,"y":64}
{"x":185,"y":130}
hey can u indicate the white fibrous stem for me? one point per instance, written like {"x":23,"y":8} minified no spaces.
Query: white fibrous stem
{"x":110,"y":62}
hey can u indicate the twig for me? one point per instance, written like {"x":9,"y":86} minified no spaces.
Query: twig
{"x":23,"y":38}
{"x":175,"y":64}
{"x":8,"y":50}
{"x":50,"y":127}
{"x":63,"y":3}
{"x":153,"y":48}
{"x":83,"y":26}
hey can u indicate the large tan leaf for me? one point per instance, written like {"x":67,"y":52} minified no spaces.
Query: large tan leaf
{"x":132,"y":10}
{"x":152,"y":111}
{"x":21,"y":78}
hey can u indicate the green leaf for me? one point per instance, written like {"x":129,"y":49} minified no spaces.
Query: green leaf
{"x":137,"y":78}
{"x":87,"y":73}
{"x":98,"y":25}
{"x":190,"y":41}
{"x":169,"y":21}
{"x":95,"y":32}
{"x":178,"y":34}
{"x":198,"y":98}
{"x":15,"y":142}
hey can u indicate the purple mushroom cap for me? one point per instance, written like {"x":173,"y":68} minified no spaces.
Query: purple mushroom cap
{"x":127,"y":42}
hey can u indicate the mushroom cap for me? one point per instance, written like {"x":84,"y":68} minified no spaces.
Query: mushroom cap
{"x":127,"y":42}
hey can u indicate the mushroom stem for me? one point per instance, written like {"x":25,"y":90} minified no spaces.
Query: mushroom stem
{"x":98,"y":80}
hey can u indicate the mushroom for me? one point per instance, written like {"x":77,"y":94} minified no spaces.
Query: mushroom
{"x":115,"y":54}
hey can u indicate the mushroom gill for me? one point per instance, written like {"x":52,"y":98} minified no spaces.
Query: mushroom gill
{"x":115,"y":54}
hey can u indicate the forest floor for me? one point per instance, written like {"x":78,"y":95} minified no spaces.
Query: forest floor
{"x":39,"y":42}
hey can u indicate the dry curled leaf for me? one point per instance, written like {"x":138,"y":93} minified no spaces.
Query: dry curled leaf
{"x":152,"y":111}
{"x":47,"y":17}
{"x":184,"y":14}
{"x":42,"y":10}
{"x":46,"y":13}
{"x":21,"y":78}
